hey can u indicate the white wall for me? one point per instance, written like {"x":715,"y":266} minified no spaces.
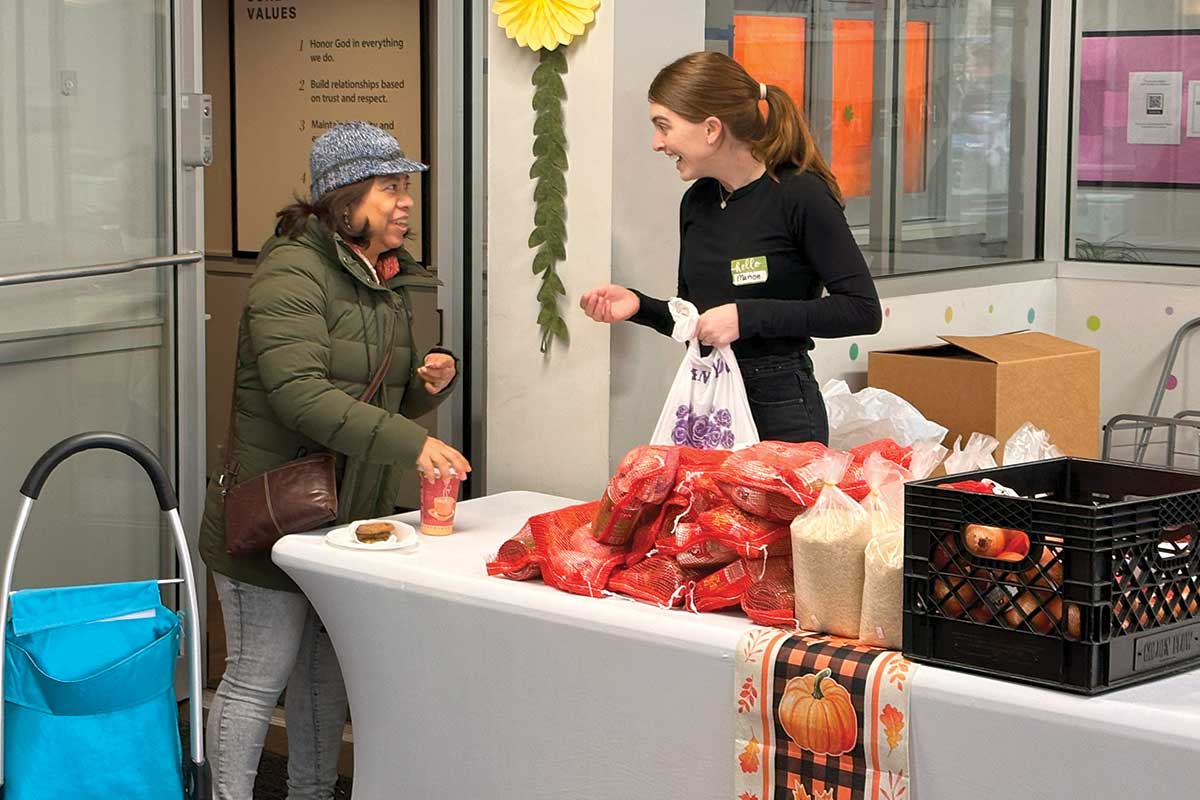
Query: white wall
{"x":646,"y":193}
{"x":1132,"y":324}
{"x":547,"y":417}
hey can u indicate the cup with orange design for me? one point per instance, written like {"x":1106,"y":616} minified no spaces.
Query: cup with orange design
{"x":439,"y":499}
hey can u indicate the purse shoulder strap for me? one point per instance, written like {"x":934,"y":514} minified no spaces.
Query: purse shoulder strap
{"x":230,"y":468}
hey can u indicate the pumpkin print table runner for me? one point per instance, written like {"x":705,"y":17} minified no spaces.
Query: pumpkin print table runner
{"x":819,"y":718}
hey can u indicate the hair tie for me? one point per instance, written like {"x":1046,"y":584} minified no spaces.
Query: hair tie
{"x":762,"y":91}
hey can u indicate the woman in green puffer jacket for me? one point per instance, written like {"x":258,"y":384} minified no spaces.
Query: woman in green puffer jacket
{"x":327,"y":300}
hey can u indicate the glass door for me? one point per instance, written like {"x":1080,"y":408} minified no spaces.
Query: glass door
{"x":99,"y":312}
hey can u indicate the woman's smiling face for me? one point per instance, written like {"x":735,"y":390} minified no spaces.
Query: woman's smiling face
{"x":689,"y":144}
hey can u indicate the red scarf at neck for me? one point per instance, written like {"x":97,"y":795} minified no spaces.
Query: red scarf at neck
{"x":387,"y":266}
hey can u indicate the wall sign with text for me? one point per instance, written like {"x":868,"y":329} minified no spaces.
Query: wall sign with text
{"x":303,"y":66}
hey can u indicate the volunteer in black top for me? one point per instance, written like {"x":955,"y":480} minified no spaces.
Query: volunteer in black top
{"x":762,"y":233}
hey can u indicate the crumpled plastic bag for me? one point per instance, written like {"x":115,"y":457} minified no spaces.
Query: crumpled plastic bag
{"x":976,"y":455}
{"x":870,"y":414}
{"x":1029,"y":443}
{"x":882,"y":616}
{"x":827,"y":556}
{"x":926,"y":457}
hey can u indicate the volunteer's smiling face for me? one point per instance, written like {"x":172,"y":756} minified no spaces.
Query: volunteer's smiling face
{"x":385,"y":208}
{"x":689,"y":144}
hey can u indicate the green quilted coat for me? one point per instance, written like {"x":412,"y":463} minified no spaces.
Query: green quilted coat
{"x":313,"y":332}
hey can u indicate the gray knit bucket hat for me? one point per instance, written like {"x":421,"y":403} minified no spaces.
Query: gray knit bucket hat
{"x":353,"y":151}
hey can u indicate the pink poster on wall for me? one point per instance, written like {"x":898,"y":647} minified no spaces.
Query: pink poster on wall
{"x":1139,"y":109}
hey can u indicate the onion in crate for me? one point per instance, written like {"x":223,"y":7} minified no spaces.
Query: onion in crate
{"x":943,"y":553}
{"x":1047,"y":573}
{"x":1191,"y":600}
{"x":1041,"y":617}
{"x":956,"y":596}
{"x":984,"y":541}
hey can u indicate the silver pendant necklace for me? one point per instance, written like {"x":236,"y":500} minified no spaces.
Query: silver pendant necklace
{"x":724,"y":197}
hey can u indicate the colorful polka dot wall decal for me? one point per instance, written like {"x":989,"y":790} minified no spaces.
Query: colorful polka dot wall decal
{"x":854,"y":352}
{"x":949,"y":313}
{"x":991,"y":309}
{"x":1172,"y":383}
{"x":1031,"y":316}
{"x":887,"y":312}
{"x":1093,"y":323}
{"x":1170,"y":310}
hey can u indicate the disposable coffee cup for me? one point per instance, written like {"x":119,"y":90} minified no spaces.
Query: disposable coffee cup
{"x":439,"y":498}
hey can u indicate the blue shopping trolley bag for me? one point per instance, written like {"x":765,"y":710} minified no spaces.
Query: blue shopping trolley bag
{"x":87,"y":673}
{"x":89,"y":694}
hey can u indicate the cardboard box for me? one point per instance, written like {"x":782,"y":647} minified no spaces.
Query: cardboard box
{"x":993,"y":384}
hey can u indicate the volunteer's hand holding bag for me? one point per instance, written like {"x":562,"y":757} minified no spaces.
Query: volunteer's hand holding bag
{"x":707,"y":406}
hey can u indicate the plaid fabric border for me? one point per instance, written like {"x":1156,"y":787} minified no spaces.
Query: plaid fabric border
{"x":875,"y":767}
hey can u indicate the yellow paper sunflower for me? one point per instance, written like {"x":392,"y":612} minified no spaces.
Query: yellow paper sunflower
{"x":538,"y":24}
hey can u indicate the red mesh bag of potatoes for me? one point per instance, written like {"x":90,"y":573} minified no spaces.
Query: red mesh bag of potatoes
{"x":771,"y":597}
{"x":571,"y":559}
{"x":696,"y":488}
{"x":708,"y":554}
{"x":680,"y":531}
{"x":657,"y":579}
{"x":517,"y":558}
{"x":645,"y":477}
{"x":896,"y":453}
{"x":723,"y":588}
{"x":645,"y":533}
{"x":854,"y":481}
{"x":774,"y":480}
{"x":747,"y":534}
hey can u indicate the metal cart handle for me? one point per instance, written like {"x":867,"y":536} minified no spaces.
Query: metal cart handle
{"x":100,"y":440}
{"x":197,"y":775}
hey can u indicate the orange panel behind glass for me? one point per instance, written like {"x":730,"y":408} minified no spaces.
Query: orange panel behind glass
{"x":916,"y":105}
{"x":772,"y":51}
{"x":853,"y":95}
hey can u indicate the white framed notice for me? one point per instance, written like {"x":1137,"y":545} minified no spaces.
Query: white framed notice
{"x":1154,"y":107}
{"x":303,"y":66}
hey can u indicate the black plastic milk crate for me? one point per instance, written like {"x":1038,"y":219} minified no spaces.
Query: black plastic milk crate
{"x":1107,"y":595}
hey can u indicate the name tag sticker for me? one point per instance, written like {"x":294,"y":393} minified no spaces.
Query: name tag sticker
{"x":746,"y":271}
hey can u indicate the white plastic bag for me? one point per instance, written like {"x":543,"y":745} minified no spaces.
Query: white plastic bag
{"x":707,"y":406}
{"x":827,"y":556}
{"x":883,"y":558}
{"x":1029,"y":443}
{"x":926,"y":456}
{"x":976,"y":455}
{"x":872,"y":414}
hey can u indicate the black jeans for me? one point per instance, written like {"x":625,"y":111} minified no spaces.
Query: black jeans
{"x":785,"y":399}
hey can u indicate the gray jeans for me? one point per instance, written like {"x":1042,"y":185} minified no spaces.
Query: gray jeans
{"x":275,"y":640}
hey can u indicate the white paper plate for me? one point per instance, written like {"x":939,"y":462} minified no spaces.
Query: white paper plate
{"x":404,"y":537}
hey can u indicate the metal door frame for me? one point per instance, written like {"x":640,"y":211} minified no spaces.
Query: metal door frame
{"x":458,"y":67}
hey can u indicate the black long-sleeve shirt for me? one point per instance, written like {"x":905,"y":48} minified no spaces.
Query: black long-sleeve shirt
{"x":771,"y":250}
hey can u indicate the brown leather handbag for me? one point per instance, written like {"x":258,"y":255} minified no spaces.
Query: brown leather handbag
{"x":291,"y":498}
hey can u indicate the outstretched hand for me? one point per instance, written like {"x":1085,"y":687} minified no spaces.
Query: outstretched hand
{"x":609,"y":303}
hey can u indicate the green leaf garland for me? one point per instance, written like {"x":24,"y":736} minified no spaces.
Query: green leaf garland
{"x":549,"y":235}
